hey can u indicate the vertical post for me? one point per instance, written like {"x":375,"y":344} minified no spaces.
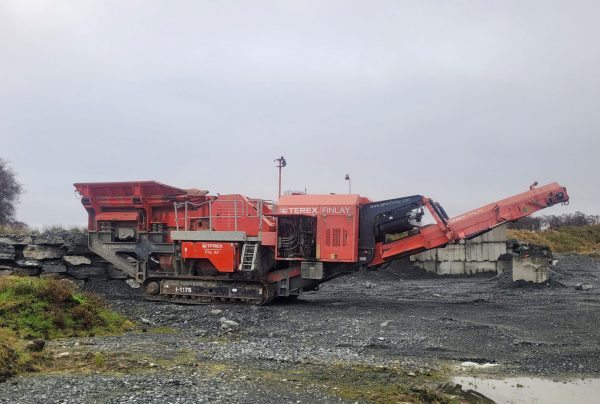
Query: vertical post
{"x":349,"y":183}
{"x":260,"y":217}
{"x":186,"y":216}
{"x":176,"y":217}
{"x":235,"y":214}
{"x":280,"y":164}
{"x":210,"y":215}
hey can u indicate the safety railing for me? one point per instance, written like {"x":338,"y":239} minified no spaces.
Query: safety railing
{"x":237,"y":207}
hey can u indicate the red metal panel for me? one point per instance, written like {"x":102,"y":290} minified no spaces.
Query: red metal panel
{"x":224,"y":256}
{"x":337,"y":223}
{"x":117,"y":216}
{"x":269,"y":238}
{"x":116,"y":189}
{"x":277,"y":276}
{"x":336,"y":236}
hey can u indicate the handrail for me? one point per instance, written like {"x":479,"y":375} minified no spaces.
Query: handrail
{"x":237,"y":214}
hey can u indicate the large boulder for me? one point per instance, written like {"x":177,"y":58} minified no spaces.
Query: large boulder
{"x":54,"y":267}
{"x":77,"y":244}
{"x":87,"y":272}
{"x":16,"y":239}
{"x":74,"y":260}
{"x":30,"y":271}
{"x":42,"y":252}
{"x":29,"y":263}
{"x":49,"y":240}
{"x":7,"y":251}
{"x":116,"y":273}
{"x":77,"y":249}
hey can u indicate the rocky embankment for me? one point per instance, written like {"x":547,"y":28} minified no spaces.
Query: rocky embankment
{"x":63,"y":254}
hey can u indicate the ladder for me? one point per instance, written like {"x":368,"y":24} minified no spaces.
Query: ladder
{"x":249,"y":256}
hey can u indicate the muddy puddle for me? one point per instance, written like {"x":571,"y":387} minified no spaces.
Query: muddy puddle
{"x":528,"y":390}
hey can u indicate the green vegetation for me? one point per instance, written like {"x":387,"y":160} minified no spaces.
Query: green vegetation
{"x":364,"y":383}
{"x":32,"y":231}
{"x":352,"y":382}
{"x":10,"y":229}
{"x":583,"y":240}
{"x":163,"y":330}
{"x":34,"y":308}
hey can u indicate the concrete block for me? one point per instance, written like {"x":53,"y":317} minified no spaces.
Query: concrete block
{"x":429,"y":266}
{"x":475,"y":240}
{"x":431,"y":255}
{"x":480,"y":252}
{"x":457,"y":252}
{"x":502,"y":266}
{"x":451,"y":268}
{"x":474,"y":252}
{"x":530,"y":269}
{"x":500,"y":234}
{"x":475,"y":267}
{"x":423,"y":256}
{"x":485,"y":237}
{"x":495,"y":249}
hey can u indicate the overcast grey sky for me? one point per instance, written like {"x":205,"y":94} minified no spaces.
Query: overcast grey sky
{"x":462,"y":101}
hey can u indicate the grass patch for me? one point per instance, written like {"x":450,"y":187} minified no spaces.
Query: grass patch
{"x":582,"y":240}
{"x":163,"y":330}
{"x":7,"y":229}
{"x":46,"y":308}
{"x":372,"y":384}
{"x":55,"y":230}
{"x":99,"y":359}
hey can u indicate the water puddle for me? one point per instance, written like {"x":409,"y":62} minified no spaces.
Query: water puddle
{"x":530,"y":390}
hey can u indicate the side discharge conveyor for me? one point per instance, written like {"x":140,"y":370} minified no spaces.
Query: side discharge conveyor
{"x":187,"y":246}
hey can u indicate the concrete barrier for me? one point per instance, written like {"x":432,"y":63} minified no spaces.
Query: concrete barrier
{"x":477,"y":255}
{"x":530,"y":269}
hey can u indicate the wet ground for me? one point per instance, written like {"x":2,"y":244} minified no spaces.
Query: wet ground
{"x":529,"y":390}
{"x":421,"y":326}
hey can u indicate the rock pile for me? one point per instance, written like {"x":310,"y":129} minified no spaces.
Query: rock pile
{"x":46,"y":254}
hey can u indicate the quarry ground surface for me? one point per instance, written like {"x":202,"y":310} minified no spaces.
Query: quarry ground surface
{"x":369,"y":329}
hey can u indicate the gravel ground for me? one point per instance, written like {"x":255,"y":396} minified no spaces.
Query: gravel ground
{"x":387,"y":318}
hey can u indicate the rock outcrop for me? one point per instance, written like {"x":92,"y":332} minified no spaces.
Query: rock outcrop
{"x":64,"y":255}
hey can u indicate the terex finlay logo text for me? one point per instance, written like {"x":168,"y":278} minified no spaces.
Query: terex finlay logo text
{"x":212,"y":246}
{"x":313,"y":210}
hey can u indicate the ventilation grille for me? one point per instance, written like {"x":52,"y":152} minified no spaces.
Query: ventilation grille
{"x":339,"y":238}
{"x":336,"y":237}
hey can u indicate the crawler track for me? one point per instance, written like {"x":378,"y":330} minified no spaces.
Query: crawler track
{"x":198,"y":290}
